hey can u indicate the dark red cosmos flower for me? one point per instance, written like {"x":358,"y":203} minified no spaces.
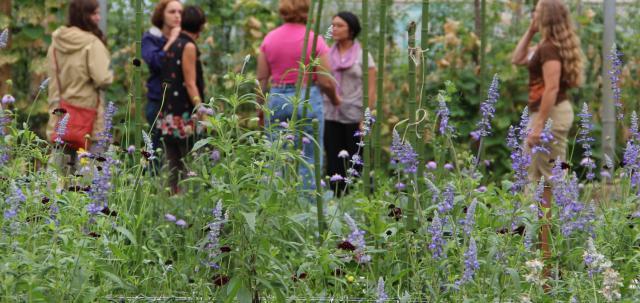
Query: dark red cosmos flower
{"x":346,"y":245}
{"x":107,"y":212}
{"x":220,"y":280}
{"x":45,"y":200}
{"x":94,"y":234}
{"x":396,"y":213}
{"x":146,"y":154}
{"x":136,"y":62}
{"x":59,"y":111}
{"x":225,"y":249}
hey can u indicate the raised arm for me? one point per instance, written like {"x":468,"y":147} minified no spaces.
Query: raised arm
{"x":519,"y":56}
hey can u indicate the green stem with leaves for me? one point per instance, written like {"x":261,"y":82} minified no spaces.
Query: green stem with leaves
{"x":421,"y":146}
{"x":137,"y":74}
{"x":318,"y":169}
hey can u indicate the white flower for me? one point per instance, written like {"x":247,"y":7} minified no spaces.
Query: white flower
{"x":611,"y":283}
{"x":343,"y":154}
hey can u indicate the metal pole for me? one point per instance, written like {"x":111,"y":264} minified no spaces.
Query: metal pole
{"x":608,"y":109}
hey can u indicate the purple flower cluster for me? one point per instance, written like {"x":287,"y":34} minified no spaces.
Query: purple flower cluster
{"x":148,"y":145}
{"x":62,"y":129}
{"x":402,"y":153}
{"x":4,"y":38}
{"x":469,"y":221}
{"x":381,"y":294}
{"x":614,"y":76}
{"x":369,"y":119}
{"x":14,"y":201}
{"x":104,"y":137}
{"x":574,"y":215}
{"x":545,"y":139}
{"x":356,"y":238}
{"x":488,"y":109}
{"x":443,"y":113}
{"x":585,"y":139}
{"x":4,"y":150}
{"x":520,"y":159}
{"x":437,"y":241}
{"x":470,"y":263}
{"x":212,"y":245}
{"x":448,"y":196}
{"x":100,"y":187}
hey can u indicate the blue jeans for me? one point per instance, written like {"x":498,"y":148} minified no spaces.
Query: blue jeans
{"x":281,"y":109}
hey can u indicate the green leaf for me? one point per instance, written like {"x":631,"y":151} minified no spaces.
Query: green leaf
{"x":251,"y":220}
{"x":127,"y":234}
{"x":200,"y":144}
{"x":244,"y":295}
{"x":114,"y":278}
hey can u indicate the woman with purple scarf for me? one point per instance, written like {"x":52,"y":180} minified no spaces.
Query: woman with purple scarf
{"x":342,"y":122}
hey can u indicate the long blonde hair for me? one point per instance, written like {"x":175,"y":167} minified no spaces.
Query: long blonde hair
{"x":556,"y":27}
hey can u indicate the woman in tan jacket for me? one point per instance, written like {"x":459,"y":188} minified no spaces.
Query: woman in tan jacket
{"x":78,"y":65}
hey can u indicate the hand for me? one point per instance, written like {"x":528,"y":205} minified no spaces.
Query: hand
{"x":533,"y":139}
{"x":260,"y":118}
{"x":175,"y":32}
{"x":533,"y":27}
{"x":337,"y":101}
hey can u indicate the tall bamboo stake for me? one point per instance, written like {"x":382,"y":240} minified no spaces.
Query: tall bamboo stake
{"x":377,"y":146}
{"x":137,"y":75}
{"x":312,"y":56}
{"x":424,"y":43}
{"x":411,"y":109}
{"x":317,"y":168}
{"x":303,"y":60}
{"x":365,"y":93}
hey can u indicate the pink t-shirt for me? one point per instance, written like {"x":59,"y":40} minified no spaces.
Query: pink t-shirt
{"x":282,"y":48}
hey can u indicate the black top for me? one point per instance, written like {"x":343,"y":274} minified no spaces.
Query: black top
{"x":177,"y":101}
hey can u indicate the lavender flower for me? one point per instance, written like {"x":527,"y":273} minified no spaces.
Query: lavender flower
{"x":595,"y":261}
{"x":131,"y":149}
{"x":635,"y":135}
{"x":382,"y":296}
{"x":469,"y":221}
{"x":148,"y":145}
{"x":14,"y":201}
{"x":545,"y":138}
{"x":585,"y":139}
{"x":369,"y":119}
{"x":443,"y":113}
{"x":448,"y":196}
{"x":488,"y":108}
{"x":630,"y":157}
{"x":574,"y":215}
{"x":181,"y":223}
{"x":104,"y":137}
{"x":4,"y":150}
{"x":437,"y":241}
{"x":356,"y":238}
{"x":100,"y":187}
{"x":470,"y":263}
{"x":215,"y":155}
{"x":432,"y":165}
{"x":306,"y":140}
{"x":402,"y":153}
{"x":611,"y":283}
{"x":4,"y":38}
{"x":212,"y":244}
{"x":44,"y":84}
{"x":284,"y":124}
{"x":329,"y":33}
{"x":170,"y":217}
{"x":8,"y":99}
{"x":448,"y":166}
{"x":400,"y":186}
{"x":62,"y":128}
{"x":614,"y":76}
{"x":336,"y":178}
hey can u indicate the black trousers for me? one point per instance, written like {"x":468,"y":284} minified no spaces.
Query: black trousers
{"x":340,"y":136}
{"x":176,"y":150}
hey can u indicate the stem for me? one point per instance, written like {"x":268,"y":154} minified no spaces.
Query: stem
{"x":312,"y":57}
{"x":483,"y":43}
{"x":421,"y":146}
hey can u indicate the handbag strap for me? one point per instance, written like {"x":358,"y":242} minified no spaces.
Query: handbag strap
{"x":55,"y":61}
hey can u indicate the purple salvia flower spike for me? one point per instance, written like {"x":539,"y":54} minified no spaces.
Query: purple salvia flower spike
{"x":585,"y":139}
{"x":381,"y":294}
{"x":488,"y":108}
{"x":469,"y":221}
{"x":471,"y":264}
{"x":614,"y":76}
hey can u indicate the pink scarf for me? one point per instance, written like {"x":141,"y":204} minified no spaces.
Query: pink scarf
{"x":339,"y":64}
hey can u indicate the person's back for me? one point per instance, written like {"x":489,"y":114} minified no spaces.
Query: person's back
{"x":283,"y":48}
